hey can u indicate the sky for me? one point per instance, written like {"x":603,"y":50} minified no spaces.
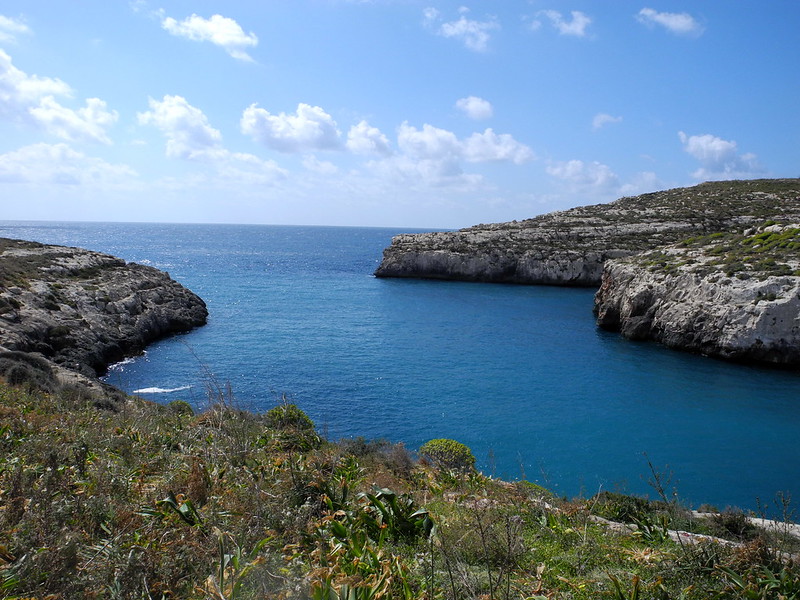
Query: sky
{"x":398,"y":113}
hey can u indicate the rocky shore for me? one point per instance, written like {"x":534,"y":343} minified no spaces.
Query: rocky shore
{"x":733,"y":296}
{"x":67,"y":313}
{"x":570,"y":247}
{"x":712,"y":269}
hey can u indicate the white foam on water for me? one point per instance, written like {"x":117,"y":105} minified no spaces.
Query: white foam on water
{"x":158,"y":390}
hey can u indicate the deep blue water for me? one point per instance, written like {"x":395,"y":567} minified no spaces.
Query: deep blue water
{"x":520,"y":374}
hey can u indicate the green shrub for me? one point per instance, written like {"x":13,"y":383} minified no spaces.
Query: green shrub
{"x":448,"y":454}
{"x":292,"y":429}
{"x":289,"y":416}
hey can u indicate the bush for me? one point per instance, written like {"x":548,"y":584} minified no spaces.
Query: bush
{"x":448,"y":454}
{"x":294,"y":430}
{"x":288,"y":416}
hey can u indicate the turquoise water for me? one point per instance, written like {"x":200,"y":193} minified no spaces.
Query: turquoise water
{"x":520,"y":374}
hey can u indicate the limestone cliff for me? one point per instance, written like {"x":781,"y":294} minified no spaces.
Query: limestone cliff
{"x":570,"y":247}
{"x":82,"y":310}
{"x":729,"y":295}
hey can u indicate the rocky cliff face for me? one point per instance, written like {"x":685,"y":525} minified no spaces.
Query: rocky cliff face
{"x":570,"y":247}
{"x":83,"y":310}
{"x":733,"y":296}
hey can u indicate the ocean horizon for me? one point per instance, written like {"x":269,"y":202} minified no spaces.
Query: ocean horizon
{"x":521,"y":374}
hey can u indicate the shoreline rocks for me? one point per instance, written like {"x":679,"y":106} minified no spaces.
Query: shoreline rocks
{"x":731,"y":296}
{"x":82,"y":310}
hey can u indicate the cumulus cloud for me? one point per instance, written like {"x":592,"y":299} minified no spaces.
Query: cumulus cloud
{"x":433,"y":157}
{"x":491,"y":147}
{"x":220,"y":31}
{"x":365,"y":139}
{"x":434,"y":143}
{"x":10,"y":28}
{"x":473,"y":34}
{"x":428,"y":142}
{"x":677,"y":23}
{"x":88,"y":123}
{"x":586,"y":176}
{"x":59,"y":164}
{"x":576,"y":26}
{"x":31,"y":99}
{"x":309,"y":129}
{"x":475,"y":108}
{"x":191,"y":137}
{"x":719,"y":159}
{"x":602,"y":119}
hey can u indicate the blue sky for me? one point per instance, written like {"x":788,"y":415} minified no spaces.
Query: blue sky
{"x":387,"y":112}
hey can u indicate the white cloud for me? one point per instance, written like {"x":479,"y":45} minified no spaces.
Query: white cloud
{"x":309,"y":129}
{"x":414,"y":173}
{"x":576,"y":27}
{"x":10,"y":28}
{"x":88,"y":123}
{"x":719,"y":159}
{"x":431,"y":156}
{"x":323,"y":167}
{"x":439,"y":144}
{"x":430,"y":15}
{"x":191,"y":137}
{"x":59,"y":164}
{"x":491,"y":147}
{"x":31,"y":99}
{"x":220,"y":31}
{"x":602,"y":119}
{"x":365,"y":139}
{"x":429,"y":142}
{"x":592,"y":176}
{"x":677,"y":23}
{"x":475,"y":108}
{"x":474,"y":34}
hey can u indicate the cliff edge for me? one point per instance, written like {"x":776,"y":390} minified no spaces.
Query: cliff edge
{"x":68,"y":313}
{"x":570,"y":247}
{"x":729,"y":295}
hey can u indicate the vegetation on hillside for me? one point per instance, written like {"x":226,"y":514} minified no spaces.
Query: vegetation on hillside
{"x":771,"y":249}
{"x":157,"y":502}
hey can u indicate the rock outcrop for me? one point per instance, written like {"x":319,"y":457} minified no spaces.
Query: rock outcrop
{"x":81,"y":310}
{"x":733,"y":296}
{"x":570,"y":247}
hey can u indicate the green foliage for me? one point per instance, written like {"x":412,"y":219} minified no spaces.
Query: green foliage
{"x":294,"y":430}
{"x":148,"y":502}
{"x":288,"y":416}
{"x":448,"y":454}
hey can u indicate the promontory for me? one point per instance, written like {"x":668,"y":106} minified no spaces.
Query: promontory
{"x":68,"y":313}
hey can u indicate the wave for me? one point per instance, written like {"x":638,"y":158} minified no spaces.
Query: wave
{"x":158,"y":390}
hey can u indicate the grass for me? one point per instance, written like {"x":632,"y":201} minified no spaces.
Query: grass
{"x":159,"y":502}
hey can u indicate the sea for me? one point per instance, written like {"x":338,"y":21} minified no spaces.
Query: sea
{"x":520,"y":374}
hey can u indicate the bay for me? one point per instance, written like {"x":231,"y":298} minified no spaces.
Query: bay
{"x":521,"y":374}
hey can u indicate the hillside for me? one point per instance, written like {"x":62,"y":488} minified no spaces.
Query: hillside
{"x":157,"y":502}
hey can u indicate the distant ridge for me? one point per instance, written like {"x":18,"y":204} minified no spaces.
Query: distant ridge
{"x":569,"y":247}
